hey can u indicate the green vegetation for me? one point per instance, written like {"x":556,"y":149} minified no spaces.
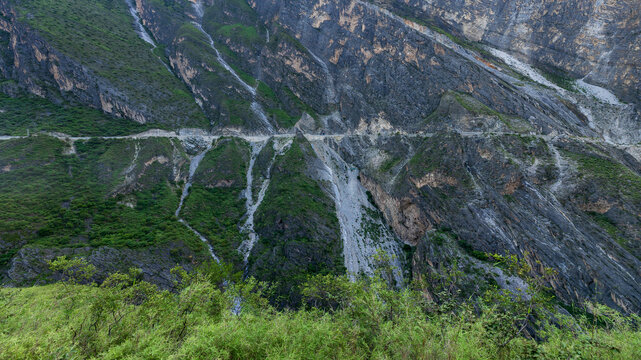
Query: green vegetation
{"x":609,"y":226}
{"x":302,"y":106}
{"x":297,"y":225}
{"x":239,"y":33}
{"x":215,"y":204}
{"x":238,"y":110}
{"x":433,"y":155}
{"x":100,"y":35}
{"x":612,"y":177}
{"x":389,"y":164}
{"x":235,"y":20}
{"x":561,"y":80}
{"x":474,"y":106}
{"x":82,"y":199}
{"x":129,"y":318}
{"x":294,"y":194}
{"x":283,"y":119}
{"x":34,"y":114}
{"x":478,"y":108}
{"x":282,"y":36}
{"x":266,"y":92}
{"x":215,"y":81}
{"x":285,"y":115}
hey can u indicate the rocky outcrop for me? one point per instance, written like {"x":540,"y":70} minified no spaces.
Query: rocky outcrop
{"x":44,"y":71}
{"x":501,"y":194}
{"x":30,"y":265}
{"x":360,"y":41}
{"x":403,"y":214}
{"x":595,"y":40}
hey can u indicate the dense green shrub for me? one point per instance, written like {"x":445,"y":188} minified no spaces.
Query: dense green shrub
{"x":214,"y":315}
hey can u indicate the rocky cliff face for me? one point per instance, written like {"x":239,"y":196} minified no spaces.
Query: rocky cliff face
{"x":593,"y":40}
{"x":534,"y":196}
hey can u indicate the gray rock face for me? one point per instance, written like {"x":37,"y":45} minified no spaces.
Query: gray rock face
{"x":30,"y":265}
{"x":389,"y":68}
{"x":595,"y":40}
{"x":501,"y":194}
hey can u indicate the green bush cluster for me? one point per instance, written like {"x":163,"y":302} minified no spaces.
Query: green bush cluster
{"x":69,"y":200}
{"x":297,"y":224}
{"x":613,"y":177}
{"x":215,"y":315}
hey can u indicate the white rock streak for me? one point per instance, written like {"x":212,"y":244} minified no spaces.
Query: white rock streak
{"x":252,"y":205}
{"x":363,"y":232}
{"x":193,"y":166}
{"x":129,"y":171}
{"x":524,"y":69}
{"x":562,"y":165}
{"x":140,"y":29}
{"x":255,"y":106}
{"x":330,"y":89}
{"x":601,"y":94}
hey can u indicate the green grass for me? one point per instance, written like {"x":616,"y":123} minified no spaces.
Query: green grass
{"x":266,"y":92}
{"x":478,"y":108}
{"x":72,"y":201}
{"x":283,"y":119}
{"x":237,"y":110}
{"x":216,"y":82}
{"x":34,"y":114}
{"x":239,"y":32}
{"x":302,"y":106}
{"x":433,"y":155}
{"x":613,"y":177}
{"x":563,"y":81}
{"x":282,"y":36}
{"x":297,"y":224}
{"x":292,"y":193}
{"x":609,"y":226}
{"x":389,"y":164}
{"x":286,"y":117}
{"x":100,"y":35}
{"x":235,"y":22}
{"x":474,"y":106}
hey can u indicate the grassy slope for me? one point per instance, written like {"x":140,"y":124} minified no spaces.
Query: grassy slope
{"x":29,"y":113}
{"x":66,"y":201}
{"x":215,"y":204}
{"x":218,"y":84}
{"x":100,"y":35}
{"x":243,"y":28}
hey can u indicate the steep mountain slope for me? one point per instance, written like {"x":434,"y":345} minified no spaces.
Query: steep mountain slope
{"x":110,"y":200}
{"x":86,"y":51}
{"x":597,"y":41}
{"x":326,"y":133}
